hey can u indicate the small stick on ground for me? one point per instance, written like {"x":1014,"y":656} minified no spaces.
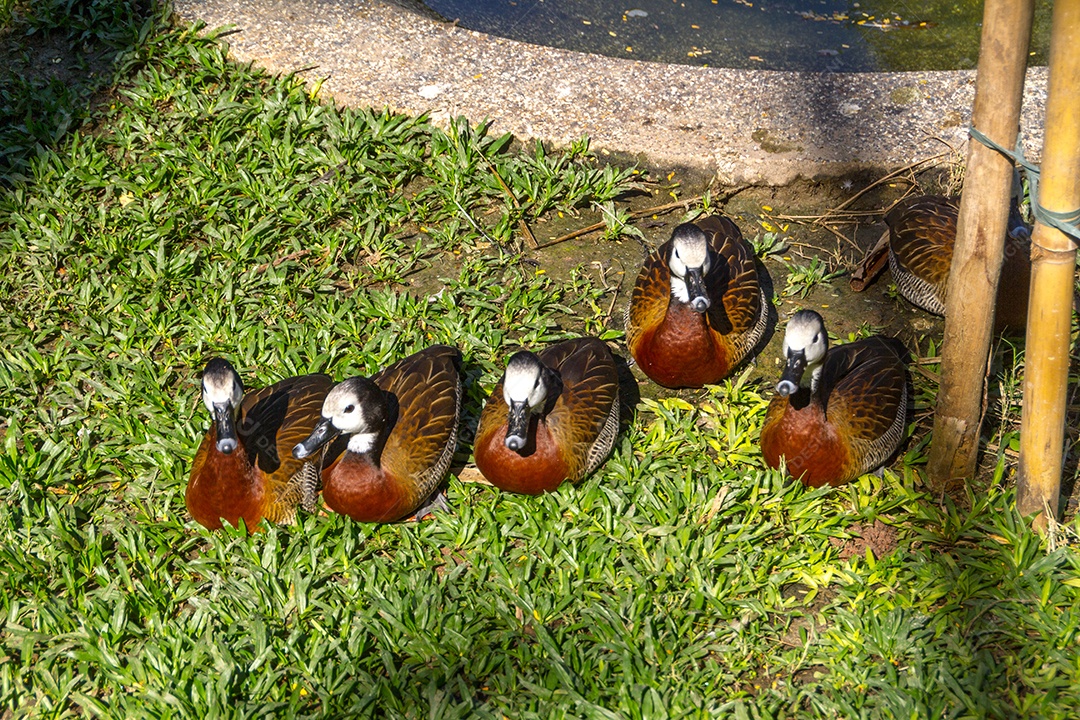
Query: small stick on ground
{"x":872,"y":265}
{"x":636,"y":214}
{"x":476,"y":227}
{"x":285,"y":258}
{"x":886,"y":178}
{"x":611,"y":307}
{"x":530,"y":239}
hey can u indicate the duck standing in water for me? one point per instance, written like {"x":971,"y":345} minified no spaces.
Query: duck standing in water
{"x":839,"y":412}
{"x":697,"y":309}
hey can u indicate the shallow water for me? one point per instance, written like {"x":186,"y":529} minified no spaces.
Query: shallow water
{"x":820,"y":35}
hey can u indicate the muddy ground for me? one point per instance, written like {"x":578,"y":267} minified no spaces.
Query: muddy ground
{"x":805,"y":218}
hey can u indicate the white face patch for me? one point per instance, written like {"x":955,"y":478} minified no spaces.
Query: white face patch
{"x":343,"y":409}
{"x":806,"y":333}
{"x":809,"y":339}
{"x":221,"y":389}
{"x":362,"y":442}
{"x":689,"y":249}
{"x":523,"y":383}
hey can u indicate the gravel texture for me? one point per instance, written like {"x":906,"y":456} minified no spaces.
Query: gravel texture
{"x":747,"y":126}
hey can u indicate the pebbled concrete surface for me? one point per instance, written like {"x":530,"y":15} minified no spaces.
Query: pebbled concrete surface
{"x":746,"y":126}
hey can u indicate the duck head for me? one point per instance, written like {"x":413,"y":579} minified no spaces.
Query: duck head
{"x":689,"y":262}
{"x":527,"y":386}
{"x":355,"y":407}
{"x":805,"y":345}
{"x":222,"y":392}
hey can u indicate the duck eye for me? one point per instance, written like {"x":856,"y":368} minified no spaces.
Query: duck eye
{"x":350,"y":408}
{"x":817,"y":336}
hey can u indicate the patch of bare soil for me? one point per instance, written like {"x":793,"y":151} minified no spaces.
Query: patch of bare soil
{"x":879,"y":538}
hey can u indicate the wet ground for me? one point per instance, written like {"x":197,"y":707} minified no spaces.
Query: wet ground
{"x":818,"y":36}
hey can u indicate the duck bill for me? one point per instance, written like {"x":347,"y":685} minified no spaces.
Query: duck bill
{"x":695,"y":290}
{"x":793,"y":373}
{"x":226,"y":428}
{"x":323,"y":432}
{"x":517,"y":426}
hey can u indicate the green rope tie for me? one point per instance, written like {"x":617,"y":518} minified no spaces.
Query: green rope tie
{"x":1066,"y":222}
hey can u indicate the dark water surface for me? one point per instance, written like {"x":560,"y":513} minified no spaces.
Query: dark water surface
{"x":817,"y":35}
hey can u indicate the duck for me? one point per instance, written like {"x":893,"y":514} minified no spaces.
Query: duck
{"x":697,"y":309}
{"x":922,"y":234}
{"x":400,"y":427}
{"x":552,"y":417}
{"x":244,"y":468}
{"x":839,"y":412}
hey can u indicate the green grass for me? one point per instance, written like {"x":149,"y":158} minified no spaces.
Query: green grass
{"x":196,"y":207}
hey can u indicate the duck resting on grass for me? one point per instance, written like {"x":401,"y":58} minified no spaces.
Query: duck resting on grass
{"x":401,"y":427}
{"x":839,"y":412}
{"x":552,"y":417}
{"x":919,"y":249}
{"x":244,"y":469}
{"x":697,"y":309}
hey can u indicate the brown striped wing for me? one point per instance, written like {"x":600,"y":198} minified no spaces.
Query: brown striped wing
{"x":922,"y":232}
{"x":273,"y":420}
{"x":864,"y":386}
{"x":589,"y":397}
{"x":650,"y":296}
{"x":427,"y":389}
{"x":733,"y":284}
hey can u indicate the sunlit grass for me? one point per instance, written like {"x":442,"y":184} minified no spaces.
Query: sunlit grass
{"x":204,"y":208}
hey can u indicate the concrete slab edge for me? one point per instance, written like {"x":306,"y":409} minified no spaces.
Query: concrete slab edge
{"x":746,"y":126}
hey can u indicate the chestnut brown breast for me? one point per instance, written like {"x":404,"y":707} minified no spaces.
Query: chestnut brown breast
{"x":539,"y":467}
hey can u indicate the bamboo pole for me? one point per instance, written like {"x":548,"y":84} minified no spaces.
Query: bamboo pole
{"x":980,"y":239}
{"x":1053,"y":264}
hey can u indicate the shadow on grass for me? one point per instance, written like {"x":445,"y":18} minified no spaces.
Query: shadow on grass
{"x":62,"y":56}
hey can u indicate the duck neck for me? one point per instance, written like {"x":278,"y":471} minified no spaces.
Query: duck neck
{"x":814,"y":375}
{"x":807,"y":394}
{"x":367,"y":444}
{"x":679,"y":290}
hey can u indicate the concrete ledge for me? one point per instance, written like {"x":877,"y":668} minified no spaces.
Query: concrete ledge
{"x":747,"y":126}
